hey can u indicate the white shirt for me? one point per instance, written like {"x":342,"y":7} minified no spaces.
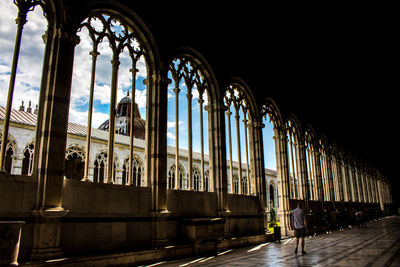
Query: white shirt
{"x":298,"y":218}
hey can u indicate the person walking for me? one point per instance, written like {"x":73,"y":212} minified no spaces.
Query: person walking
{"x":300,"y":226}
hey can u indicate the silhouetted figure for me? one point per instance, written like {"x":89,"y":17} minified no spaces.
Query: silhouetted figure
{"x":300,"y":226}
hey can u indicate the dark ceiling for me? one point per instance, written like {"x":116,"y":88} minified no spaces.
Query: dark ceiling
{"x":332,"y":66}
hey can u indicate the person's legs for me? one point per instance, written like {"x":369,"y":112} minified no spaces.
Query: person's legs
{"x":297,"y":244}
{"x":302,"y":246}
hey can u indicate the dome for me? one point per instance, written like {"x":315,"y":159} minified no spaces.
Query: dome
{"x":122,"y":125}
{"x":126,"y":99}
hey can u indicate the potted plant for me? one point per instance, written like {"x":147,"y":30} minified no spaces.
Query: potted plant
{"x":272,"y":223}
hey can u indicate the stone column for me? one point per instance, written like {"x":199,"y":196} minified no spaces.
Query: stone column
{"x":258,"y":170}
{"x":201,"y":101}
{"x":217,"y":158}
{"x":350,"y":196}
{"x":283,"y":177}
{"x":94,"y":55}
{"x":156,"y":153}
{"x":299,"y":177}
{"x":176,"y":178}
{"x":360,"y":185}
{"x":23,"y":9}
{"x":111,"y":123}
{"x":330,"y":178}
{"x":318,"y":176}
{"x":53,"y":136}
{"x":190,"y":138}
{"x":355,"y":185}
{"x":237,"y":117}
{"x":228,"y":114}
{"x":303,"y":173}
{"x":247,"y":153}
{"x":380,"y":194}
{"x":340,"y":180}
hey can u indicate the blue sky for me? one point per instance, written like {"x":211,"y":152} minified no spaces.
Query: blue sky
{"x":29,"y":73}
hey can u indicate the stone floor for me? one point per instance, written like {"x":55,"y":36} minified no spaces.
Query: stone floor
{"x":376,"y":245}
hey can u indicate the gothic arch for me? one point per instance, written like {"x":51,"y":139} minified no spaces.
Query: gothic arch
{"x":189,"y":72}
{"x":128,"y":17}
{"x":27,"y":162}
{"x":295,"y":124}
{"x":203,"y":67}
{"x":137,"y":171}
{"x":100,"y":164}
{"x":313,"y":171}
{"x":10,"y":152}
{"x":271,"y":109}
{"x":251,"y":102}
{"x":239,"y":101}
{"x":74,"y":162}
{"x":171,"y":176}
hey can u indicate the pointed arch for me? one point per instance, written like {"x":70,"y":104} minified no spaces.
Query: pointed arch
{"x":191,"y":79}
{"x":240,"y":102}
{"x":181,"y":180}
{"x":271,"y":109}
{"x":313,"y":170}
{"x":74,"y":162}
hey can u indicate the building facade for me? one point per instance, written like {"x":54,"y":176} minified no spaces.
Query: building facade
{"x":207,"y":201}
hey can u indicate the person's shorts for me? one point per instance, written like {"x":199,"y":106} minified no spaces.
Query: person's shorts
{"x":300,"y":232}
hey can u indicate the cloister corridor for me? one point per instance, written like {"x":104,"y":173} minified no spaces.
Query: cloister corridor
{"x":374,"y":246}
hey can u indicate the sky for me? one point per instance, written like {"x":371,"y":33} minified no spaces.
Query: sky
{"x":30,"y":69}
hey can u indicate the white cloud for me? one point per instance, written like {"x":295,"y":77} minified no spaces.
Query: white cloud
{"x":29,"y":71}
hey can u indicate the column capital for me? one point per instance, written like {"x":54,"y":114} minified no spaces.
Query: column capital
{"x":115,"y":62}
{"x":177,"y":90}
{"x":94,"y":54}
{"x":258,"y":124}
{"x":189,"y":95}
{"x":68,"y":36}
{"x":157,"y":78}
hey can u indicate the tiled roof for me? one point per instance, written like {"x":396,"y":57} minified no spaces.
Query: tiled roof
{"x":26,"y":118}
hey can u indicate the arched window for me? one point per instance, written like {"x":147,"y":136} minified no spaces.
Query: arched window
{"x":238,"y":105}
{"x":182,"y":181}
{"x":310,"y":149}
{"x":27,"y":162}
{"x":323,"y":154}
{"x":206,"y":186}
{"x":10,"y":148}
{"x":337,"y":178}
{"x":271,"y":122}
{"x":188,"y":97}
{"x":108,"y":37}
{"x":292,"y":134}
{"x":74,"y":163}
{"x":21,"y":71}
{"x":244,"y":185}
{"x":137,"y":172}
{"x":235,"y":183}
{"x":100,"y":171}
{"x":196,"y":179}
{"x":271,"y":196}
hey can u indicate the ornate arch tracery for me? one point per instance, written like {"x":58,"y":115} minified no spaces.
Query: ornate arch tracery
{"x":121,"y":37}
{"x":189,"y":73}
{"x":74,"y":162}
{"x":239,"y":101}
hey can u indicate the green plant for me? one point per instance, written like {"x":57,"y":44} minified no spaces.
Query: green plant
{"x":272,"y":217}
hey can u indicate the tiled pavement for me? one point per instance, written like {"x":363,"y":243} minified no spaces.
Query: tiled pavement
{"x":376,"y":245}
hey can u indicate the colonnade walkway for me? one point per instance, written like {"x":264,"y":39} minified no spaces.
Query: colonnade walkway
{"x":376,"y":245}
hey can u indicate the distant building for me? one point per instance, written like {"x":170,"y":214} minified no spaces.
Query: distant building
{"x":20,"y":150}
